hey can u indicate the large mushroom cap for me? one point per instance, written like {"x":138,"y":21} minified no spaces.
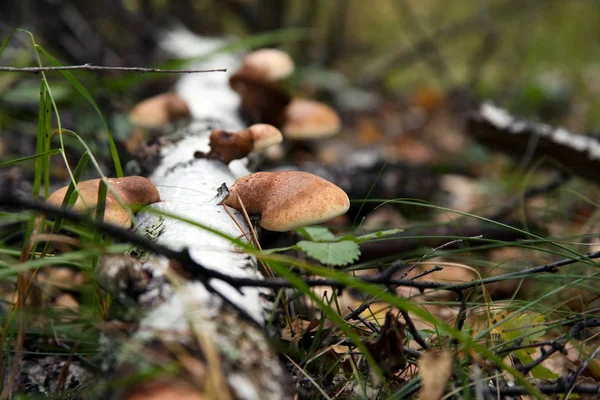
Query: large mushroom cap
{"x":135,"y":191}
{"x":288,"y":200}
{"x":270,"y":64}
{"x":308,"y":119}
{"x":156,"y":112}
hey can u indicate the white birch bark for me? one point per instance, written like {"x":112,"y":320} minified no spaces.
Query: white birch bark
{"x":245,"y":361}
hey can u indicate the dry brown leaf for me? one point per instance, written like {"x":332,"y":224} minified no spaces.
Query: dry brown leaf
{"x":368,"y":132}
{"x":388,"y":348}
{"x":385,"y":217}
{"x":410,"y":150}
{"x":461,"y":193}
{"x":435,"y":368}
{"x":294,"y":331}
{"x":428,"y":98}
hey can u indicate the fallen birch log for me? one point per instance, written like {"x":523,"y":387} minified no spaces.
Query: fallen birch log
{"x":209,"y":339}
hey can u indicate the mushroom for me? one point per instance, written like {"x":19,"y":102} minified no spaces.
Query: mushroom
{"x":270,"y":64}
{"x":158,"y":111}
{"x":229,"y":146}
{"x":308,"y":119}
{"x":288,"y":200}
{"x":134,"y":191}
{"x":262,"y":98}
{"x":157,"y":388}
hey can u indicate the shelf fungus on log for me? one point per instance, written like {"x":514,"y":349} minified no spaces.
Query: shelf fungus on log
{"x":204,"y":334}
{"x":288,"y":200}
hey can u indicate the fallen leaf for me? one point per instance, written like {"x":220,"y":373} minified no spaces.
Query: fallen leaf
{"x":435,"y":368}
{"x":524,"y":328}
{"x":388,"y":348}
{"x":294,"y":331}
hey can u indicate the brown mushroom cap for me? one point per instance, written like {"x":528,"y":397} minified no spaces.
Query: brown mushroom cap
{"x":135,"y":191}
{"x":308,"y":119}
{"x":264,"y":135}
{"x":156,"y":389}
{"x":269,"y":64}
{"x":156,"y":112}
{"x":288,"y":200}
{"x":229,"y":146}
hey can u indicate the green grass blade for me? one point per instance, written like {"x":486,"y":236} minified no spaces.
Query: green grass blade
{"x":37,"y":180}
{"x":49,"y":153}
{"x":5,"y":42}
{"x":86,"y":94}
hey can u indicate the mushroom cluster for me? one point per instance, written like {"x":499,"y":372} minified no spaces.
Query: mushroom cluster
{"x":265,"y":101}
{"x":287,"y":200}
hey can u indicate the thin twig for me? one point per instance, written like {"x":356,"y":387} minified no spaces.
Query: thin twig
{"x":206,"y":274}
{"x":413,"y":330}
{"x":572,"y":381}
{"x":429,"y":271}
{"x":557,"y":388}
{"x":524,"y":346}
{"x":91,"y":67}
{"x":182,"y":256}
{"x":462,"y":311}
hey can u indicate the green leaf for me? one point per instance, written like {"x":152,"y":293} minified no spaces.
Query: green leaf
{"x":526,"y":328}
{"x":331,"y":253}
{"x":317,"y":233}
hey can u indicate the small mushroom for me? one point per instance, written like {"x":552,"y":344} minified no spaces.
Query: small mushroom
{"x":158,"y":111}
{"x":262,"y":98}
{"x":308,"y":119}
{"x":157,"y":388}
{"x":229,"y":146}
{"x":270,"y":64}
{"x":135,"y":191}
{"x":288,"y":200}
